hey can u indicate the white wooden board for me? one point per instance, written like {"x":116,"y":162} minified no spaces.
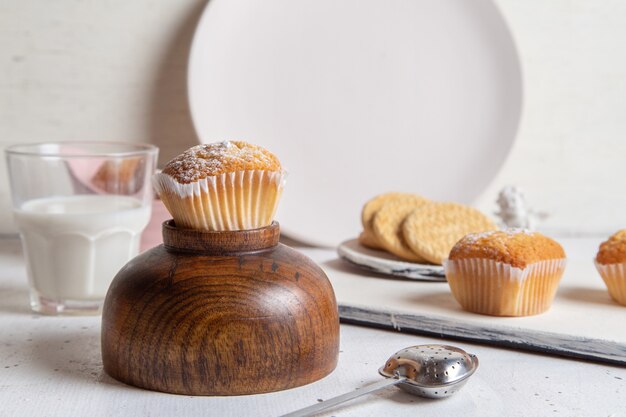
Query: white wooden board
{"x":583,"y":322}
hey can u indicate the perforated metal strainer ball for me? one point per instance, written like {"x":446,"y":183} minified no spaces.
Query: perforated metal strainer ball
{"x":432,"y":371}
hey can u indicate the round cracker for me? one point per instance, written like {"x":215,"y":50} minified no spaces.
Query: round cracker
{"x":367,"y":239}
{"x":432,"y":230}
{"x":372,"y":206}
{"x":387,"y":227}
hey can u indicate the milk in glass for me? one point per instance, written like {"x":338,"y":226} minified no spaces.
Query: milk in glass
{"x":74,"y":245}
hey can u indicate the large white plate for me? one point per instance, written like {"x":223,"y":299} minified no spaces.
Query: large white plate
{"x":359,"y":97}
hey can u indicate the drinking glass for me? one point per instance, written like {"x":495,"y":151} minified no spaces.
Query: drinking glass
{"x":80,"y":208}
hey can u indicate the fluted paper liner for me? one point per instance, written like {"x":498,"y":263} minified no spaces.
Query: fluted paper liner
{"x":486,"y":286}
{"x":230,"y":201}
{"x":614,"y":276}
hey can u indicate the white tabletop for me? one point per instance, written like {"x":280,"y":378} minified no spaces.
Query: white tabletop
{"x":51,"y":366}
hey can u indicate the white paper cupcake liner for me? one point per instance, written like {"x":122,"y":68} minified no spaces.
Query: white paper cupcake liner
{"x":489,"y":287}
{"x":614,"y":276}
{"x":231,"y":201}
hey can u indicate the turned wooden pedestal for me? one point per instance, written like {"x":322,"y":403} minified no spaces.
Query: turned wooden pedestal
{"x":220,"y":313}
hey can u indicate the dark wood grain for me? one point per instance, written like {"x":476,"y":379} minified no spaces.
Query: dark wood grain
{"x":219,"y":243}
{"x":188,"y":318}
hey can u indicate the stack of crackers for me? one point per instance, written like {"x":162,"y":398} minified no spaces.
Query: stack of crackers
{"x":417,"y":229}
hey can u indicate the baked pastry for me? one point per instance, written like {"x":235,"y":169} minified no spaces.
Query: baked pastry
{"x":230,"y":185}
{"x":611,"y":264}
{"x":387,"y":227}
{"x":125,"y":176}
{"x":416,"y":229}
{"x":505,"y":273}
{"x":367,"y":237}
{"x":432,"y":229}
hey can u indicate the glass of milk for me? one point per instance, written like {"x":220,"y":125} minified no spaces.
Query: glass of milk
{"x":80,"y":208}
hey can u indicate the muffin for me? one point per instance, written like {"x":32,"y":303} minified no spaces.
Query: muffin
{"x":230,"y":185}
{"x":125,"y":176}
{"x":611,"y":264}
{"x":505,"y":273}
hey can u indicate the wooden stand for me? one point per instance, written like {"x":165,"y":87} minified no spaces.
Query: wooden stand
{"x":220,"y":313}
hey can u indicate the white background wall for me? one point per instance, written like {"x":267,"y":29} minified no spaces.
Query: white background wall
{"x":115,"y":69}
{"x":94,"y":69}
{"x":570,"y":154}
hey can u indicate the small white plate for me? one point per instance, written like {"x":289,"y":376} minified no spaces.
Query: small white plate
{"x":382,"y":262}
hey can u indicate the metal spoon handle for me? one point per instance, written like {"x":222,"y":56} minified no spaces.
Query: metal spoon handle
{"x":316,"y":408}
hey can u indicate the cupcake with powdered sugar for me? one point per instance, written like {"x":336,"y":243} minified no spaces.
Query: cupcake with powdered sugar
{"x":511,"y":272}
{"x":230,"y":185}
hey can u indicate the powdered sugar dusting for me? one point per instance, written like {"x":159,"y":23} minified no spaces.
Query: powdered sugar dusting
{"x":502,"y":234}
{"x":518,"y":247}
{"x":203,"y":161}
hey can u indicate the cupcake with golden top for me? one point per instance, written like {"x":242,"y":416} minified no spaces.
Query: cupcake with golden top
{"x":611,"y":264}
{"x":505,"y":273}
{"x":230,"y":185}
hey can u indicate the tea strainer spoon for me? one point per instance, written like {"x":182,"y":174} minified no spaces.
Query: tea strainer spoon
{"x":431,"y":371}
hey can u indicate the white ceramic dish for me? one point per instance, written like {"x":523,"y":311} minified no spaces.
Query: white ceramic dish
{"x":384,"y":263}
{"x":359,"y":97}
